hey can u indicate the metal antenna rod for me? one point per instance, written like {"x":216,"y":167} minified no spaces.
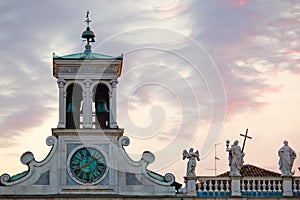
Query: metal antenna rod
{"x":216,"y":158}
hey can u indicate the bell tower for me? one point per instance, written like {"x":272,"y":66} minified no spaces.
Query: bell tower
{"x":87,"y":87}
{"x":87,"y":130}
{"x":87,"y":155}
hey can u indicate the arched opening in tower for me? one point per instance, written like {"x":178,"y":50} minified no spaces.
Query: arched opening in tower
{"x":101,"y":99}
{"x":73,"y":102}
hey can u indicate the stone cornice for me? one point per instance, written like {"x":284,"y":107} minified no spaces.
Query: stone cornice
{"x":86,"y":63}
{"x":76,"y":132}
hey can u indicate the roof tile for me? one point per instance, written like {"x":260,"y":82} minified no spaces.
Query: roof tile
{"x":253,"y":171}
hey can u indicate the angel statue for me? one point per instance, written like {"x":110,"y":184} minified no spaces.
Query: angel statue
{"x":191,"y":166}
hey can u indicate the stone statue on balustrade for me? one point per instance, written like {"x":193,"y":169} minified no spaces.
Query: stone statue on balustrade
{"x":192,"y":163}
{"x":236,"y":158}
{"x":286,"y":159}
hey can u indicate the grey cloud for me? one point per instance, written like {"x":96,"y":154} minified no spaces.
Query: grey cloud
{"x":32,"y":30}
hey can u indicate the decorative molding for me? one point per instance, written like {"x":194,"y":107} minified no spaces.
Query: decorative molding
{"x":114,"y":83}
{"x":146,"y":159}
{"x":87,"y":83}
{"x":89,"y":132}
{"x":87,"y":146}
{"x":28,"y":159}
{"x":61,"y":83}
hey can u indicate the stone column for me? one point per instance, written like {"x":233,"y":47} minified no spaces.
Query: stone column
{"x":87,"y":105}
{"x":62,"y":104}
{"x":113,"y":104}
{"x":236,"y":186}
{"x":287,"y":186}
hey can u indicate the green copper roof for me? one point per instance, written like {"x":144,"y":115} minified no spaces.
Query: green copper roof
{"x":87,"y":55}
{"x":17,"y":176}
{"x":156,"y":176}
{"x":162,"y":179}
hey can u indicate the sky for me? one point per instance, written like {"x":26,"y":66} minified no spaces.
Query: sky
{"x":195,"y":74}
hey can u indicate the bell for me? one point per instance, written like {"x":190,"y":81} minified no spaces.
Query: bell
{"x":71,"y":108}
{"x":101,"y":107}
{"x":88,"y":35}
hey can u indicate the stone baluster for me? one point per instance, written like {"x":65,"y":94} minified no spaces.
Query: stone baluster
{"x":258,"y":186}
{"x":200,"y":185}
{"x":274,"y":186}
{"x":269,"y":186}
{"x":216,"y":186}
{"x":294,"y":186}
{"x":279,"y":187}
{"x":222,"y":186}
{"x":264,"y":186}
{"x":227,"y":186}
{"x":204,"y":186}
{"x":248,"y":186}
{"x":210,"y":186}
{"x":243,"y":186}
{"x":254,"y":186}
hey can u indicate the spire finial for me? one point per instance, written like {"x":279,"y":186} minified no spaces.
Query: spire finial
{"x":87,"y":18}
{"x":88,"y":34}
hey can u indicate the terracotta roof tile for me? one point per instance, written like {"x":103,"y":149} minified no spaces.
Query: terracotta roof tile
{"x":253,"y":171}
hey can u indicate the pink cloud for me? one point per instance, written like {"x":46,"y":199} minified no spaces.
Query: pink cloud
{"x":240,"y":3}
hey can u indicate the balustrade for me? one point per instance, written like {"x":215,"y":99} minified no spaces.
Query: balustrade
{"x":261,"y":186}
{"x":211,"y":186}
{"x":296,"y":186}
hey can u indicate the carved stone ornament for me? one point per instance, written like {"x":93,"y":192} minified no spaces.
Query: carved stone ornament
{"x":192,"y":163}
{"x":286,"y":159}
{"x":235,"y":158}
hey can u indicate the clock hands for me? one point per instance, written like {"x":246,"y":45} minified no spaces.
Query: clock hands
{"x":83,"y":166}
{"x":86,"y":164}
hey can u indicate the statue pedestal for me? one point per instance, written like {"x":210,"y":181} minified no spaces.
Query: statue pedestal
{"x":190,"y":186}
{"x":287,"y":186}
{"x":236,"y":186}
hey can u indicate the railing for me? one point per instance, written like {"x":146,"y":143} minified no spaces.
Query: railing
{"x":261,"y":186}
{"x":93,"y":120}
{"x":94,"y":123}
{"x":211,"y":186}
{"x":296,"y":186}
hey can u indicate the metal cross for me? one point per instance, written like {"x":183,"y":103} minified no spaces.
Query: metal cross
{"x":245,"y":137}
{"x":87,"y":18}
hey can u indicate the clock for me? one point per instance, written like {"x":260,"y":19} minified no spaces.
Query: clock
{"x":87,"y":165}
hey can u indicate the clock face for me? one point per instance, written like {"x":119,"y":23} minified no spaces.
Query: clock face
{"x":87,"y":165}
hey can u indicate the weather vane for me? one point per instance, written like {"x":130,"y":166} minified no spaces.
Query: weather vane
{"x":88,"y":35}
{"x":87,"y":18}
